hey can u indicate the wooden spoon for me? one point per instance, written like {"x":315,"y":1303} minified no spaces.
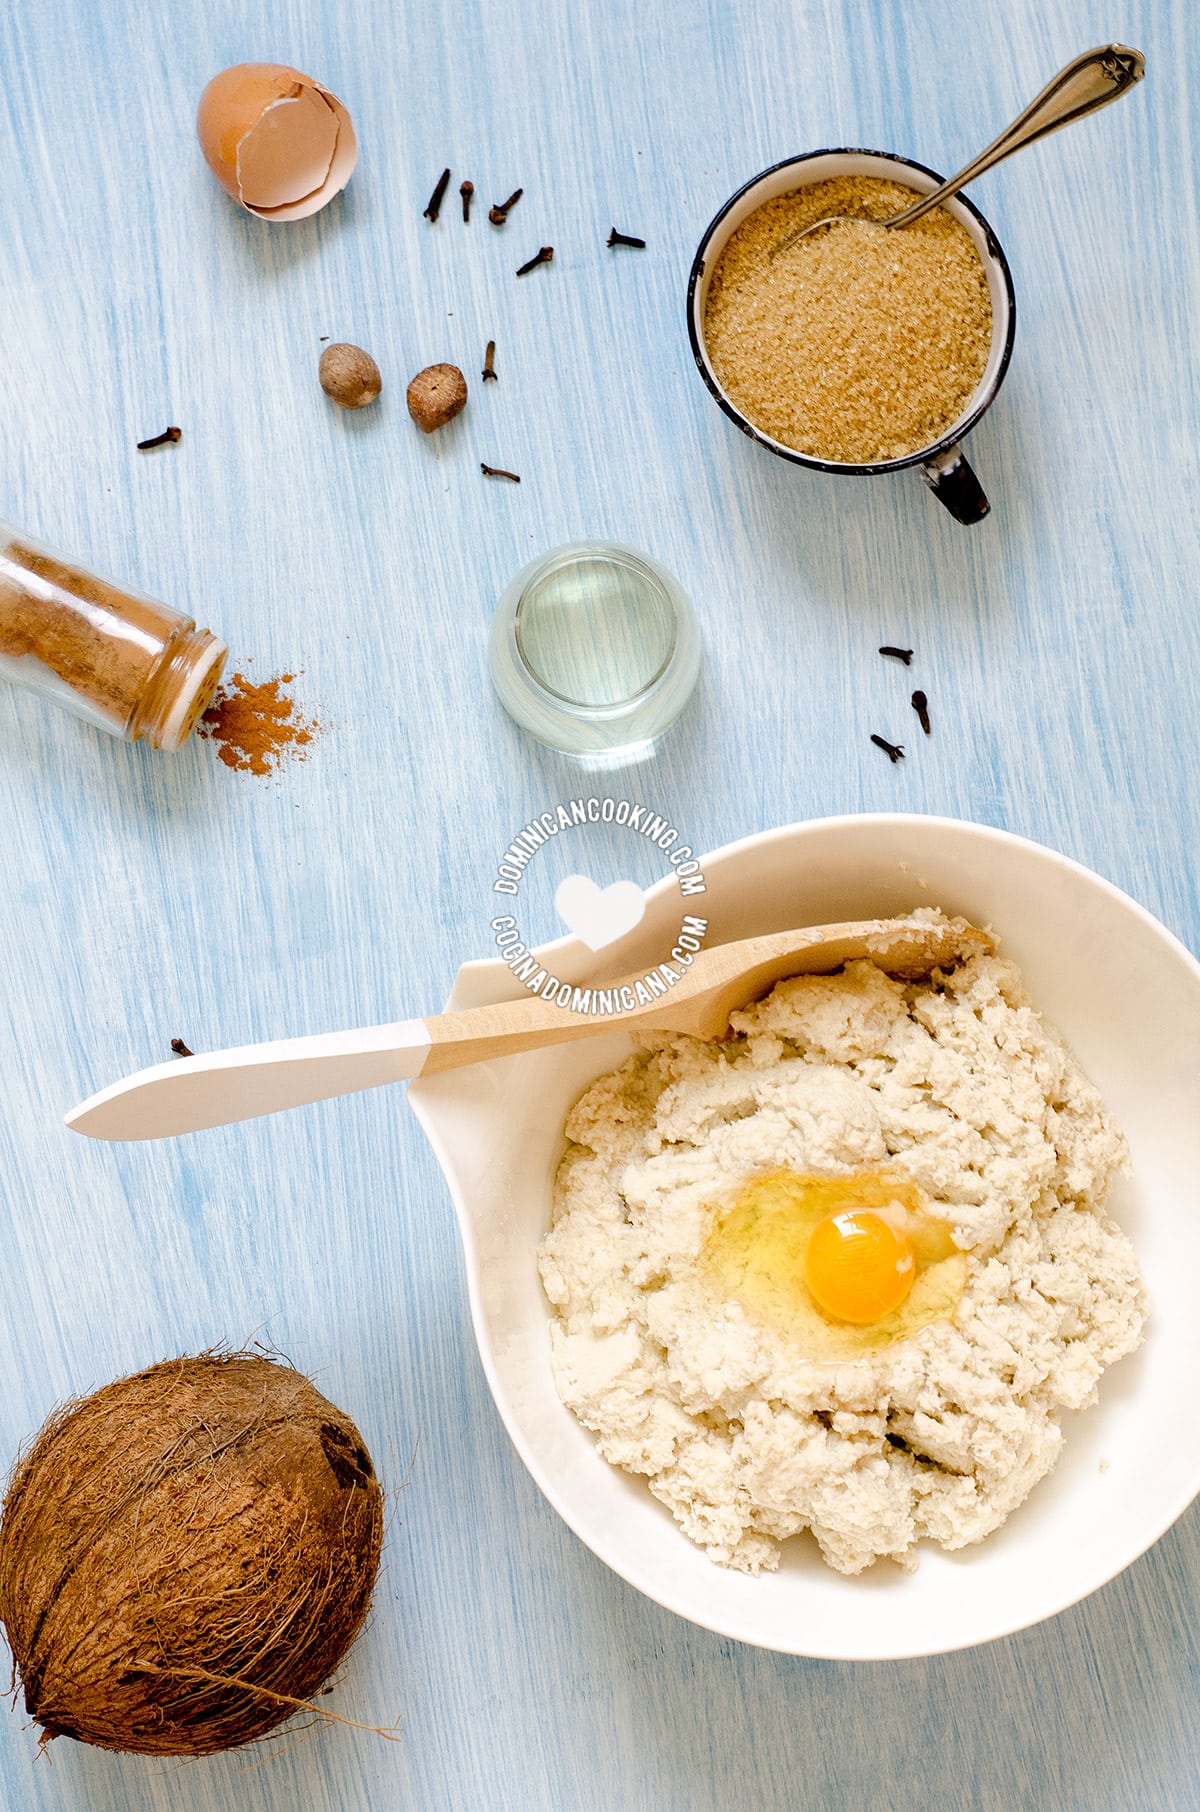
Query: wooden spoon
{"x":221,"y":1087}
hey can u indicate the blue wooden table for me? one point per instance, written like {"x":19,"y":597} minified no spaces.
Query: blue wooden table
{"x":149,"y":897}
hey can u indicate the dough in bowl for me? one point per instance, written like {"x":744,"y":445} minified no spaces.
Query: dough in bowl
{"x":745,"y":1426}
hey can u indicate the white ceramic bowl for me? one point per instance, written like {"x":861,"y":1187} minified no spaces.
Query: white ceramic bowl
{"x":1125,"y":994}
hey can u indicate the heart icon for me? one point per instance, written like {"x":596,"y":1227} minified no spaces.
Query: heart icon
{"x":599,"y":915}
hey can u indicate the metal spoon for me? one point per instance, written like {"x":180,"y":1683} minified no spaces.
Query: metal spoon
{"x":1091,"y":81}
{"x":220,"y":1087}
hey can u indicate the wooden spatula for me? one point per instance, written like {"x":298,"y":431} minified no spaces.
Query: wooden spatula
{"x":220,"y":1087}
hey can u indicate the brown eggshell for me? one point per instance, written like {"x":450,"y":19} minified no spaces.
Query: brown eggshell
{"x":275,"y":140}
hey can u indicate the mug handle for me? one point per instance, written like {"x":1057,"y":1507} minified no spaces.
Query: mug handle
{"x":950,"y":478}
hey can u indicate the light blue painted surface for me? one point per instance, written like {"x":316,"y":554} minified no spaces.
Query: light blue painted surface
{"x":147,"y":897}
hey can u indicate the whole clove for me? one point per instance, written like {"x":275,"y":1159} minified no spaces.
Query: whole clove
{"x":180,"y":1049}
{"x":466,"y":190}
{"x":489,"y":361}
{"x":166,"y":438}
{"x":439,"y":191}
{"x":920,"y":705}
{"x":898,"y":654}
{"x":615,"y":238}
{"x":893,"y":750}
{"x":499,"y":214}
{"x":497,"y":472}
{"x":543,"y":256}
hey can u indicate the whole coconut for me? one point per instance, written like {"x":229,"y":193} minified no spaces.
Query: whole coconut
{"x":186,"y":1555}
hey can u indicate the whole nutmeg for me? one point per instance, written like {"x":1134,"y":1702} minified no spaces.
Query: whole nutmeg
{"x":436,"y":395}
{"x":349,"y":376}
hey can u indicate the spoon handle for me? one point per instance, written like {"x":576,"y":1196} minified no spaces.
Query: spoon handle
{"x":1091,"y":81}
{"x":219,"y":1088}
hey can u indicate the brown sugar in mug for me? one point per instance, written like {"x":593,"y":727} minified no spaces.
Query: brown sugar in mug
{"x":859,"y":357}
{"x":940,"y":459}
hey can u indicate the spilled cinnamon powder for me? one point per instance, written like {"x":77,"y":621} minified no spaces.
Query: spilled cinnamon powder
{"x":256,"y":725}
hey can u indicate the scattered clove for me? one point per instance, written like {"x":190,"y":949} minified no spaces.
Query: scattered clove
{"x":466,"y":190}
{"x":180,"y":1049}
{"x":489,"y":361}
{"x":497,"y":472}
{"x":543,"y":256}
{"x":899,"y":654}
{"x":615,"y":238}
{"x":920,"y":705}
{"x":499,"y":214}
{"x":435,"y":200}
{"x":893,"y":750}
{"x":166,"y":438}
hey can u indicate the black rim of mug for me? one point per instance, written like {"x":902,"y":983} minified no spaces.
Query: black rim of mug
{"x":948,"y":440}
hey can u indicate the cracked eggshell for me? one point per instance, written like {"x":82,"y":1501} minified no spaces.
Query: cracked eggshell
{"x":275,"y":140}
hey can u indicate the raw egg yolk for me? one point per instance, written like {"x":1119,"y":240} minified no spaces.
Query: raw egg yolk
{"x":858,"y":1266}
{"x":838,"y":1265}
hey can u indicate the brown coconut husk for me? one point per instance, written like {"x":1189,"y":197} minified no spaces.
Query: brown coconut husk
{"x":186,"y":1555}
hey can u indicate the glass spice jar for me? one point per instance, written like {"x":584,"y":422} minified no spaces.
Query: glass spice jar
{"x":118,"y":659}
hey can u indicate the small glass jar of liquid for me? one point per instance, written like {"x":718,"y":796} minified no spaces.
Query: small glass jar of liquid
{"x":594,"y":650}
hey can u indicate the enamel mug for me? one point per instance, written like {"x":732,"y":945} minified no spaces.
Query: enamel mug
{"x":942,"y":463}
